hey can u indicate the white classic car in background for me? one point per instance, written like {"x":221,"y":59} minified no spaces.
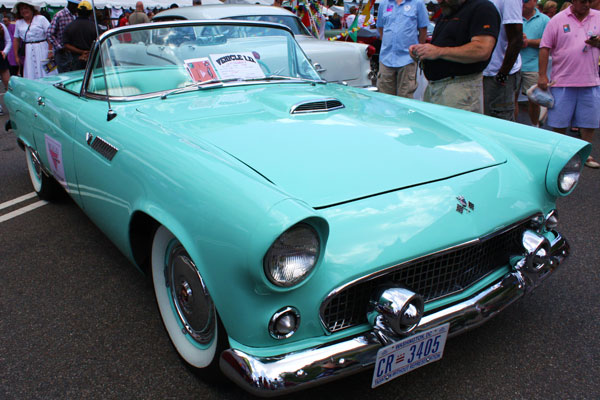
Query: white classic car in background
{"x":335,"y":61}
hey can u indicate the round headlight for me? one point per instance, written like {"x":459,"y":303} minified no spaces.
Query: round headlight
{"x":292,"y":256}
{"x":569,"y":175}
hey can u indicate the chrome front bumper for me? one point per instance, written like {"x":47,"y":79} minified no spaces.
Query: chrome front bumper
{"x":275,"y":376}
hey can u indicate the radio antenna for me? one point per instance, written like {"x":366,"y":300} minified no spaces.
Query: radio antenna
{"x":111,"y":113}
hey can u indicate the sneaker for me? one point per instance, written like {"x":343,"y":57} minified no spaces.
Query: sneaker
{"x":591,"y":163}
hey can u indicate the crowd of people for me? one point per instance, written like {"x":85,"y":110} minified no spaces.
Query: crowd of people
{"x":35,"y":45}
{"x":483,"y":52}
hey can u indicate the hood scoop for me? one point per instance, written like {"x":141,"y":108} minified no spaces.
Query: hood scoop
{"x":324,"y":105}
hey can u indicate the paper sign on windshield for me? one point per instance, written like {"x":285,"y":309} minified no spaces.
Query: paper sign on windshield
{"x":200,"y":69}
{"x":237,"y":65}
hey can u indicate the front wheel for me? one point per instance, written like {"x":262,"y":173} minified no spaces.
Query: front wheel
{"x":185,"y":305}
{"x":45,"y":187}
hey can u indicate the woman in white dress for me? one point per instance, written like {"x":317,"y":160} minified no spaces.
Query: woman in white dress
{"x":31,"y":28}
{"x":5,"y":45}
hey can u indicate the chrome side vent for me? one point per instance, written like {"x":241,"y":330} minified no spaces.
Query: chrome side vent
{"x":104,"y":148}
{"x":324,"y":105}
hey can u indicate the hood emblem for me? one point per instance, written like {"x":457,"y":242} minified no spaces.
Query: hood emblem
{"x":463,"y":205}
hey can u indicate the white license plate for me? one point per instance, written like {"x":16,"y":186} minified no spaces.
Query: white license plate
{"x":408,"y":354}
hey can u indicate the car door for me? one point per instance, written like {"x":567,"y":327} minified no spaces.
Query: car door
{"x":107,"y":183}
{"x":54,"y":119}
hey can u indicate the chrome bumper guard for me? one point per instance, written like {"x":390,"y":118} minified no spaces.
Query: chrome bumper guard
{"x":279,"y":375}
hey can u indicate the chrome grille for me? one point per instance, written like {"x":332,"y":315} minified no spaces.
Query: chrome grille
{"x":317,"y":106}
{"x":432,"y":276}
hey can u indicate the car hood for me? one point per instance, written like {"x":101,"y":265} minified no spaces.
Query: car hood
{"x":375,"y":144}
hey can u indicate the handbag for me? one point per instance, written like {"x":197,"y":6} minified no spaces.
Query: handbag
{"x":540,"y":97}
{"x":21,"y":51}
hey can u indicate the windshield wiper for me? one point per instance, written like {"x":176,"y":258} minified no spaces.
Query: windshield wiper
{"x":213,"y":83}
{"x":284,"y":78}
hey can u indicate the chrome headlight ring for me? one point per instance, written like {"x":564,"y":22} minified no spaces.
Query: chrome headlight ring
{"x":292,"y":256}
{"x":284,"y":323}
{"x":561,"y":177}
{"x":569,"y":175}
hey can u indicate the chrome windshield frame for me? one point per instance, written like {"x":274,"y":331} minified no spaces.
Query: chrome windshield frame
{"x":96,"y":50}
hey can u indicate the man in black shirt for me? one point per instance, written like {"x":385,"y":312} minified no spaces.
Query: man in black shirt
{"x":79,"y":36}
{"x":462,"y":43}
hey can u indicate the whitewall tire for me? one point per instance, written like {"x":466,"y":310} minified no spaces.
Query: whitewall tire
{"x":185,"y":305}
{"x":45,"y":187}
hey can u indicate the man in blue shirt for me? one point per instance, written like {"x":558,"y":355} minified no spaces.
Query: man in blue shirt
{"x":401,"y":23}
{"x":534,"y":23}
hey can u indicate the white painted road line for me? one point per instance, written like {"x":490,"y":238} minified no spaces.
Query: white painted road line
{"x":23,"y":210}
{"x":17,"y":200}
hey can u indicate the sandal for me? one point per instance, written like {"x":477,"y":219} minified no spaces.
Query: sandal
{"x":591,"y":163}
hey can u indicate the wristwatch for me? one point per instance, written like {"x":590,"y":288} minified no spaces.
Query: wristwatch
{"x":501,"y":78}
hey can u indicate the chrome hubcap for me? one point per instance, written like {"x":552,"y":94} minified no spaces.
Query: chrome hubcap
{"x":193,"y":304}
{"x":35,"y":169}
{"x":186,"y":296}
{"x":37,"y":166}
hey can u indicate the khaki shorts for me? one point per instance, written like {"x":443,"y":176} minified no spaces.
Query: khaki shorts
{"x":498,"y":99}
{"x":528,"y":79}
{"x":464,"y":92}
{"x":401,"y":81}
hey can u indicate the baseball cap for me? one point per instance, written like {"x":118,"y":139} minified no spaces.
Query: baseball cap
{"x":85,"y":5}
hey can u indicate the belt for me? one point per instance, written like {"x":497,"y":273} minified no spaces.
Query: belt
{"x":36,"y":41}
{"x":459,"y":78}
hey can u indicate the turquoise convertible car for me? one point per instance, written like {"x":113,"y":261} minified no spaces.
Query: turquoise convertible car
{"x":296,"y":231}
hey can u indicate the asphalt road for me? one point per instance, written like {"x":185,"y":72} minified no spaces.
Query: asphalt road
{"x":77,"y":320}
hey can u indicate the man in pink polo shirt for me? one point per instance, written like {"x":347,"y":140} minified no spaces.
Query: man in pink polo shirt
{"x":572,"y":39}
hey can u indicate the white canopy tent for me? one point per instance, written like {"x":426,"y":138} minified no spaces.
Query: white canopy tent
{"x":103,"y":3}
{"x":262,"y":2}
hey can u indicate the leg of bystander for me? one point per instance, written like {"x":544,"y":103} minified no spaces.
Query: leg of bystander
{"x":499,"y":99}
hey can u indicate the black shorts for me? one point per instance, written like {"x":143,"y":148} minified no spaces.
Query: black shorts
{"x":4,"y":63}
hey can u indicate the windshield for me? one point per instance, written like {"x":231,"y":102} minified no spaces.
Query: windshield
{"x":290,"y":21}
{"x":170,"y":56}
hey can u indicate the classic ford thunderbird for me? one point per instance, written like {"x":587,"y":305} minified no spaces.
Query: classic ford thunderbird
{"x":296,"y":231}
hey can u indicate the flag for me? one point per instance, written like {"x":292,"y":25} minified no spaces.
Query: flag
{"x":367,"y":12}
{"x":353,"y":33}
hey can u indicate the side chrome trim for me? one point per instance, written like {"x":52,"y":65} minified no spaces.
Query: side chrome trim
{"x":286,"y":373}
{"x":393,"y":268}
